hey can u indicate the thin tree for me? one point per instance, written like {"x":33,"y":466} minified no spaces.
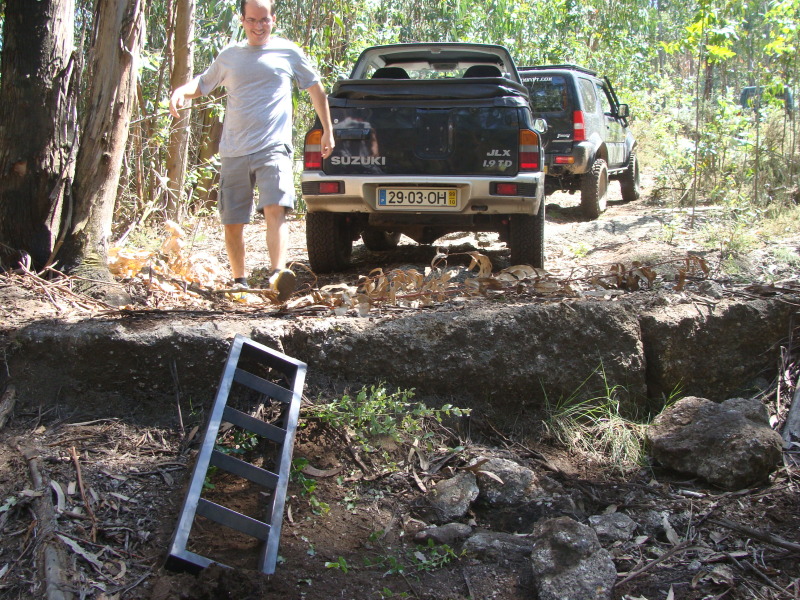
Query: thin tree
{"x":182,"y":71}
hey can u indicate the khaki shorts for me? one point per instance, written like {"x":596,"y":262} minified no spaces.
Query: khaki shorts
{"x":269,"y":169}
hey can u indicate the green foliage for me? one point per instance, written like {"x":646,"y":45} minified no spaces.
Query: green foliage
{"x":375,"y":412}
{"x":422,"y":558}
{"x":308,"y":486}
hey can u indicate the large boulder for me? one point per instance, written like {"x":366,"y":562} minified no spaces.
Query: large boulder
{"x":730,"y":445}
{"x":569,"y":563}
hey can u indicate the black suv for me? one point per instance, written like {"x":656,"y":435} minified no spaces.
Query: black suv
{"x":587,"y":141}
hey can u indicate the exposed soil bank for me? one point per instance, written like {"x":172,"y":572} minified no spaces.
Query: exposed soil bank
{"x":487,"y":356}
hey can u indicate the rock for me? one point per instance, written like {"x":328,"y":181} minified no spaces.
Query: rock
{"x":492,"y":544}
{"x":730,"y":445}
{"x":614,"y":527}
{"x":711,"y":351}
{"x":450,"y":534}
{"x":451,"y":498}
{"x":519,"y":483}
{"x":569,"y":563}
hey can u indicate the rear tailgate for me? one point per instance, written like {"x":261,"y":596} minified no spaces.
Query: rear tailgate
{"x":550,"y":100}
{"x":392,"y":129}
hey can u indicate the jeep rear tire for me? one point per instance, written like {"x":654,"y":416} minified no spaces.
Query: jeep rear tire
{"x":329,"y":241}
{"x":526,"y":239}
{"x":629,"y":183}
{"x":594,"y":190}
{"x":378,"y":241}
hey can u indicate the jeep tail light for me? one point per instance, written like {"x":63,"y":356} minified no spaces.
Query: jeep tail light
{"x":506,"y":189}
{"x":528,"y":150}
{"x":329,"y":187}
{"x":312,"y":152}
{"x":578,"y":126}
{"x":565,"y":160}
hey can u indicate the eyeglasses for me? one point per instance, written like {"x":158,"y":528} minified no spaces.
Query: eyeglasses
{"x":253,"y":22}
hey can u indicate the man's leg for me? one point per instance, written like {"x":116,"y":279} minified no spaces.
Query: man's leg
{"x":277,"y":235}
{"x":234,"y":244}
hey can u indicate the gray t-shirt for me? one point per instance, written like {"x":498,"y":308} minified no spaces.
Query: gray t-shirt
{"x":259,"y":84}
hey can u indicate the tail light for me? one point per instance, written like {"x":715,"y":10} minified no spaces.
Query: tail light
{"x":578,"y":126}
{"x":528,"y":150}
{"x":312,"y":151}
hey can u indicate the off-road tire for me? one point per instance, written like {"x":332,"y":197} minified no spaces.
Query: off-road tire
{"x":329,"y":241}
{"x":629,"y":181}
{"x":378,"y":241}
{"x":526,"y":239}
{"x":594,"y":190}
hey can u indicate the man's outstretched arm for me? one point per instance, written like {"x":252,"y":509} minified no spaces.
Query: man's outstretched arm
{"x":320,"y":101}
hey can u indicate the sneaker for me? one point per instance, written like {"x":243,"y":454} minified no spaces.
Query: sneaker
{"x":282,"y":282}
{"x":238,"y":285}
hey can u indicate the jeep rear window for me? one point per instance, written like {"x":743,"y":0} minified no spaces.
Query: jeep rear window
{"x":547,"y":94}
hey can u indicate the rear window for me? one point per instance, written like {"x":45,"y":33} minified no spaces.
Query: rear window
{"x":547,"y":93}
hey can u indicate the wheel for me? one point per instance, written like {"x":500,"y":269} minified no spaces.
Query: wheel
{"x":329,"y":242}
{"x":629,"y":183}
{"x":526,"y":239}
{"x":594,"y":190}
{"x":377,"y":240}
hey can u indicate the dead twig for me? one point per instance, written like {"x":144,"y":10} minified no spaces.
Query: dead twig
{"x":682,"y":547}
{"x":758,"y":534}
{"x":90,"y":512}
{"x":748,"y":566}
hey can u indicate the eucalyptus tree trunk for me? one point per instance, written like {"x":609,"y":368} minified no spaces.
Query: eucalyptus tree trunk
{"x":210,"y":136}
{"x":182,"y":70}
{"x":38,"y":128}
{"x":112,"y":70}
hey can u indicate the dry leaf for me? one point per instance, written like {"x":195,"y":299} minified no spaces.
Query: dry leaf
{"x":672,"y":536}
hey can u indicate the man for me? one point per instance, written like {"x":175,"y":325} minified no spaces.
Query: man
{"x":256,"y":145}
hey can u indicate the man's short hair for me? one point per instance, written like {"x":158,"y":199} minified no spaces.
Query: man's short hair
{"x":270,"y":2}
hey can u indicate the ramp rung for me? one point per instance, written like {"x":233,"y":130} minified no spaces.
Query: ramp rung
{"x":262,"y":385}
{"x":244,"y":469}
{"x":234,"y":520}
{"x":262,"y":428}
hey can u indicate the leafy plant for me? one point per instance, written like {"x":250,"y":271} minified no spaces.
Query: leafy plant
{"x":307,"y":486}
{"x":375,"y":412}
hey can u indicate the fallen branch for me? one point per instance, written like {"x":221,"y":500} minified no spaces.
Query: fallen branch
{"x":758,"y":534}
{"x":682,"y":547}
{"x":7,"y":402}
{"x":51,"y":558}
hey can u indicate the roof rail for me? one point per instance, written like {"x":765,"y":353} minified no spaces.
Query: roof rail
{"x":554,"y":67}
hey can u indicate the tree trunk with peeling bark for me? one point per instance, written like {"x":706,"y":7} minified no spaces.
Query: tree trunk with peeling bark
{"x":112,"y":71}
{"x":38,"y":128}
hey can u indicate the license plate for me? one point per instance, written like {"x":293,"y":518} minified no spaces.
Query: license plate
{"x":417,"y":198}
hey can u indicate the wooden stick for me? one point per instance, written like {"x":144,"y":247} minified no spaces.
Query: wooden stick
{"x":76,"y":461}
{"x":52,"y":559}
{"x":682,"y":547}
{"x":7,"y":402}
{"x":758,"y":534}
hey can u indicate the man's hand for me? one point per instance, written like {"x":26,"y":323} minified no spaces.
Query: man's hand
{"x":327,"y":144}
{"x":181,"y":94}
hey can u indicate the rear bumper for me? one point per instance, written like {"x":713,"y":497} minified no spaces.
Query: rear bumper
{"x":581,"y":154}
{"x":477,"y":196}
